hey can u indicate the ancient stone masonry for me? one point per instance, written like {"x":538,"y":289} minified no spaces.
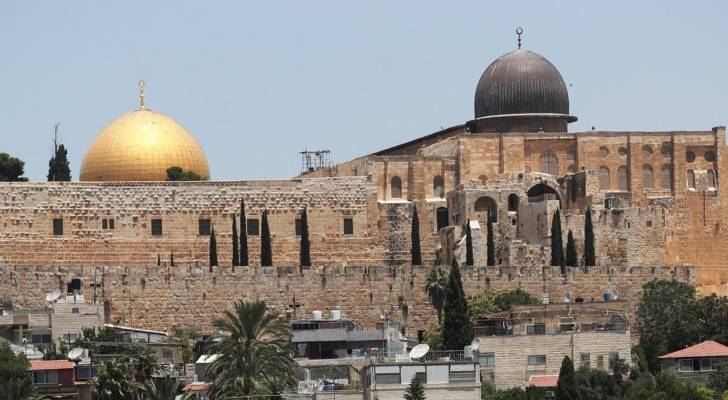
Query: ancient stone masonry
{"x":161,"y":297}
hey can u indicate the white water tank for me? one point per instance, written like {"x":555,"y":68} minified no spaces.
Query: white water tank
{"x":335,"y":315}
{"x":318,"y":315}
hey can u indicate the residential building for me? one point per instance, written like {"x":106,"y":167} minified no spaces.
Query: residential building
{"x":695,"y":363}
{"x":54,"y":378}
{"x":525,"y":341}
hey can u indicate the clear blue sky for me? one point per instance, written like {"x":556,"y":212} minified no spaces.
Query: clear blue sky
{"x":256,"y":82}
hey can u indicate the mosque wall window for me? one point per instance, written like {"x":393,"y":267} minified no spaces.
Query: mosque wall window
{"x":442,"y":217}
{"x":107,"y":223}
{"x":549,"y":163}
{"x":203,"y":227}
{"x":253,"y":227}
{"x":299,"y":226}
{"x":348,"y":226}
{"x":648,"y":181}
{"x":622,"y":178}
{"x":438,"y":186}
{"x":58,"y":226}
{"x":396,"y":187}
{"x":709,"y":156}
{"x":711,"y":178}
{"x":689,"y":156}
{"x":604,"y":178}
{"x":512,"y":202}
{"x":666,"y":177}
{"x":691,"y":179}
{"x":157,"y":227}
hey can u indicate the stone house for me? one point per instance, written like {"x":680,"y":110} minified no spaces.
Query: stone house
{"x":695,"y":363}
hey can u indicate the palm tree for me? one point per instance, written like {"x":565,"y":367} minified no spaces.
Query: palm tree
{"x":164,"y":388}
{"x":255,"y":354}
{"x":436,"y":288}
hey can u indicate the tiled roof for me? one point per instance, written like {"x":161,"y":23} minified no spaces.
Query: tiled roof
{"x":49,"y":365}
{"x":708,"y":348}
{"x":545,"y":381}
{"x":197,"y":387}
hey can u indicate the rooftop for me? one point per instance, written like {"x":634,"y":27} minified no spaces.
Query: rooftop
{"x":543,"y":381}
{"x":50,"y":365}
{"x":708,"y":348}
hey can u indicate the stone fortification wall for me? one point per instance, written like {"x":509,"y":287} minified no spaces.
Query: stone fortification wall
{"x":161,"y":297}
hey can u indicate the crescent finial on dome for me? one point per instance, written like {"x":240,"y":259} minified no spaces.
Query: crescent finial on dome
{"x":141,"y":94}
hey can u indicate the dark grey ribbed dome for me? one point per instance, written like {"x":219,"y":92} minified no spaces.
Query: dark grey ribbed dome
{"x":521,"y":82}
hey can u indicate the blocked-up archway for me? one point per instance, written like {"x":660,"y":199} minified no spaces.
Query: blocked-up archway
{"x":483,"y":206}
{"x":541,"y":192}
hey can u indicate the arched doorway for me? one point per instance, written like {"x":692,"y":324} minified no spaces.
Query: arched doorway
{"x":512,"y":202}
{"x":483,"y":206}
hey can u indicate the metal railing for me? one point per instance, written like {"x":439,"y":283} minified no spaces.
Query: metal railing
{"x":551,"y":329}
{"x":431,"y":356}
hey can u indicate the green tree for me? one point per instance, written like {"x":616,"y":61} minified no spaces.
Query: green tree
{"x":566,"y":388}
{"x":415,"y":236}
{"x":54,"y":352}
{"x":58,"y":167}
{"x":511,"y":394}
{"x":266,"y":254}
{"x":243,"y":235}
{"x":213,"y":249}
{"x":177,"y":174}
{"x":236,"y":253}
{"x":519,"y":297}
{"x":415,"y":390}
{"x":11,"y":169}
{"x":305,"y":250}
{"x":572,"y":259}
{"x":590,"y":258}
{"x":16,"y":382}
{"x":184,"y":336}
{"x":468,"y":245}
{"x":255,"y":352}
{"x":718,"y":380}
{"x":490,"y":246}
{"x":163,"y":388}
{"x":456,"y":329}
{"x":436,"y":288}
{"x":113,"y":381}
{"x":557,"y":242}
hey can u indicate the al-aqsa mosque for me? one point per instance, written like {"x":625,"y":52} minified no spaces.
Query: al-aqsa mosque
{"x":140,"y":146}
{"x":655,"y":199}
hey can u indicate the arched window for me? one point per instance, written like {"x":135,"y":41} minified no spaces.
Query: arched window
{"x":512,"y":202}
{"x":604,"y":179}
{"x":549,"y":163}
{"x":666,"y":177}
{"x":438,"y":186}
{"x":442,"y":218}
{"x":648,"y":180}
{"x":711,"y":178}
{"x":485,"y":205}
{"x":396,"y":187}
{"x":691,"y":179}
{"x":622,"y":178}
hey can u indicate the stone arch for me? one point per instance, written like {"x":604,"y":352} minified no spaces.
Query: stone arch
{"x":541,"y":192}
{"x":549,"y":163}
{"x":485,"y":205}
{"x":396,"y":187}
{"x":604,"y":178}
{"x":512,"y":202}
{"x":438,"y":186}
{"x":648,"y":180}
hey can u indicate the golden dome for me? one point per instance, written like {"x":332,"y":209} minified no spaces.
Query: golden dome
{"x":140,"y":146}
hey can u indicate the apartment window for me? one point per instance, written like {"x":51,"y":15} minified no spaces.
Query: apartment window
{"x":382,"y":379}
{"x":536,"y":329}
{"x":41,"y":339}
{"x":600,"y":362}
{"x":157,"y":227}
{"x":203,"y":227}
{"x":299,"y":226}
{"x":70,"y":337}
{"x":585,"y":359}
{"x":45,"y":377}
{"x":167,"y":354}
{"x":539,"y":360}
{"x":348,"y":226}
{"x":84,"y":373}
{"x":74,"y":310}
{"x":107,"y":223}
{"x":486,"y":359}
{"x":253,"y":227}
{"x":613,"y":358}
{"x":696,"y":365}
{"x":57,"y":226}
{"x":567,"y":327}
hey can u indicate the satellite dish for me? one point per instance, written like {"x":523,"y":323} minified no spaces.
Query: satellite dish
{"x":75,"y":354}
{"x":475,"y":344}
{"x":419,"y":351}
{"x":53,"y":296}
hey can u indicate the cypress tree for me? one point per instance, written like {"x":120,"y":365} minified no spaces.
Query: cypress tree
{"x":468,"y":245}
{"x":557,"y":241}
{"x":571,"y":257}
{"x":58,"y":167}
{"x":415,"y":390}
{"x":590,"y":258}
{"x":243,"y":235}
{"x":305,"y":252}
{"x":266,"y":254}
{"x":213,"y":248}
{"x":236,"y":254}
{"x":456,"y":329}
{"x":171,"y":259}
{"x":416,"y":253}
{"x":567,"y":388}
{"x":491,"y":246}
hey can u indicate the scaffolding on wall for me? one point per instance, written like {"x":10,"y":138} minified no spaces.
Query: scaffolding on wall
{"x":313,"y":160}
